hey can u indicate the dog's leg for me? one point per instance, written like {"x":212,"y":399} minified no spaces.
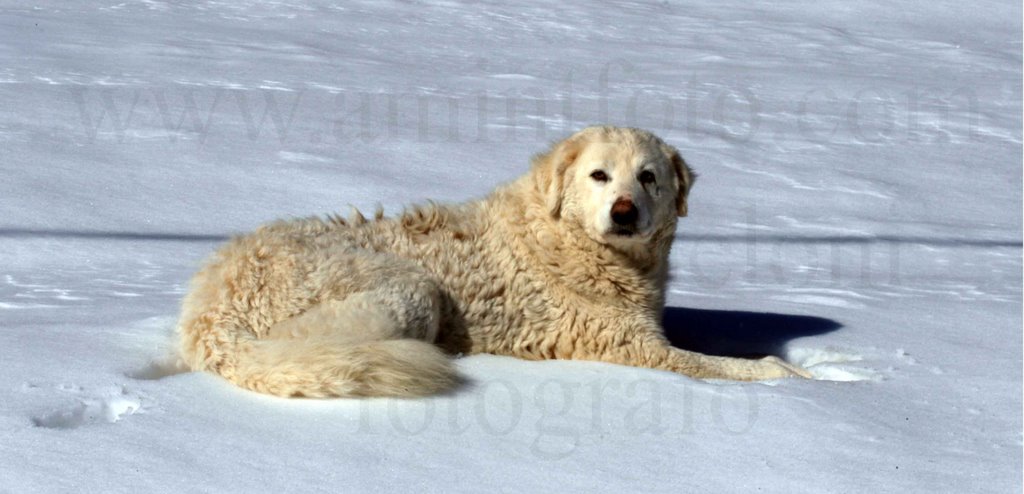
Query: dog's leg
{"x":736,"y":369}
{"x":365,"y":296}
{"x":373,"y":315}
{"x":646,"y":347}
{"x":661,"y":355}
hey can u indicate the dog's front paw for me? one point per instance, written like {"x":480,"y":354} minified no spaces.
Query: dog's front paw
{"x":774,"y":367}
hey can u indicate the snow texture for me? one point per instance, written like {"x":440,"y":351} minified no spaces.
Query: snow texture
{"x":858,"y":212}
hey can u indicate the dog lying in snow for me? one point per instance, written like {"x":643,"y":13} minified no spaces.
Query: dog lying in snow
{"x":569,"y":261}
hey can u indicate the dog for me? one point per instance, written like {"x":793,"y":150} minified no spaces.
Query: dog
{"x":570,"y":261}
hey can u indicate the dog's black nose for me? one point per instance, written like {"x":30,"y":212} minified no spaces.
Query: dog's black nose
{"x":624,"y":212}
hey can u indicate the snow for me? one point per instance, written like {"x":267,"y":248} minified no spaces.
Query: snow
{"x":858,"y":212}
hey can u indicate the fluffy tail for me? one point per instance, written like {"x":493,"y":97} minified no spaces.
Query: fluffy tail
{"x":320,"y":368}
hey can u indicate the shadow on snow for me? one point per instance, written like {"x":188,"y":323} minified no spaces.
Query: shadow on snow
{"x":739,"y":333}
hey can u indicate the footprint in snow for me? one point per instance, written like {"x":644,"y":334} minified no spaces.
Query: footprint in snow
{"x":110,"y":407}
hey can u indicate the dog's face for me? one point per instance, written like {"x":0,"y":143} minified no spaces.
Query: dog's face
{"x":621,"y":185}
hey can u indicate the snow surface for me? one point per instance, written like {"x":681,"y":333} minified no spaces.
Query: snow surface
{"x":860,"y":181}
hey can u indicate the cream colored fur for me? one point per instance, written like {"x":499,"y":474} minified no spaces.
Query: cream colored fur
{"x":536,"y":270}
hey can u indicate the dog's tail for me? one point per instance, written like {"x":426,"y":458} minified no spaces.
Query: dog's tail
{"x":321,"y":367}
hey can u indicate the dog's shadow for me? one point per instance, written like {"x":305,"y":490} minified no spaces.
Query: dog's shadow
{"x":739,"y":333}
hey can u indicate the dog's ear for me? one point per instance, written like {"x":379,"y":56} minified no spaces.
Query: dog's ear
{"x":549,"y":171}
{"x":684,"y":180}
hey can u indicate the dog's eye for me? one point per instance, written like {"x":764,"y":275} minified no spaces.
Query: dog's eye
{"x":646,"y":177}
{"x":599,"y":176}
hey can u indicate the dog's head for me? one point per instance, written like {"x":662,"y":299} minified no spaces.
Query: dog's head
{"x":620,"y":185}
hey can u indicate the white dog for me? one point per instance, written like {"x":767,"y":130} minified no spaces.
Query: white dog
{"x":567,"y":262}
